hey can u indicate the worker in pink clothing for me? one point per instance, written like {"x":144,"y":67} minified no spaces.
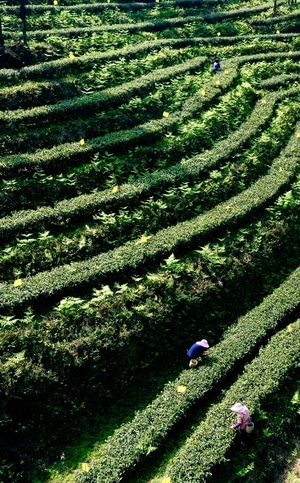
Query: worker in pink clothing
{"x":242,"y":421}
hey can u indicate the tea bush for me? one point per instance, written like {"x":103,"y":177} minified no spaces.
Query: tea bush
{"x":123,"y":450}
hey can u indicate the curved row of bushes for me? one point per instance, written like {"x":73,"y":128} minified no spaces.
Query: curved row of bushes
{"x":78,"y":344}
{"x":58,"y":67}
{"x":275,"y":20}
{"x":105,"y":171}
{"x":134,"y":440}
{"x":240,"y":252}
{"x":70,"y":153}
{"x":180,"y":202}
{"x":279,"y":80}
{"x":148,"y":249}
{"x":129,"y":115}
{"x":84,"y":205}
{"x":112,"y":97}
{"x":155,"y":25}
{"x":37,"y":9}
{"x":34,"y":9}
{"x":54,"y":350}
{"x":45,"y":354}
{"x":209,"y":442}
{"x":120,"y":2}
{"x":36,"y":93}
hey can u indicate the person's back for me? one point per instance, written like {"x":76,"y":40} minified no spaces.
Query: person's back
{"x":195,"y":351}
{"x":199,"y":349}
{"x":216,"y":66}
{"x":243,"y":418}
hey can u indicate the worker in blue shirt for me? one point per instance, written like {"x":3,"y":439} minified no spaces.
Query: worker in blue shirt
{"x":199,"y":349}
{"x":216,"y":66}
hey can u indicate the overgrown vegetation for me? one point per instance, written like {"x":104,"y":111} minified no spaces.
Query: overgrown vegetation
{"x":146,"y":202}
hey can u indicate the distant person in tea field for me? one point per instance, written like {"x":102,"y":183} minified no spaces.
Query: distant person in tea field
{"x":216,"y":66}
{"x":199,"y":349}
{"x":244,"y":424}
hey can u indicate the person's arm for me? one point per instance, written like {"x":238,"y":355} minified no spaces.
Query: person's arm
{"x":238,"y":422}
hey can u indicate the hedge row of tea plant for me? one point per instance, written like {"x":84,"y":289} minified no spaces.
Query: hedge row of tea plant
{"x":88,"y":125}
{"x":280,"y":80}
{"x":269,"y":56}
{"x":33,"y":9}
{"x":280,"y":220}
{"x":178,"y":203}
{"x":70,"y":153}
{"x":153,"y":26}
{"x":140,"y":252}
{"x":275,"y":20}
{"x":152,"y":292}
{"x":133,"y":441}
{"x":55,"y":348}
{"x":88,"y":15}
{"x":139,"y":111}
{"x":209,"y":442}
{"x":110,"y":170}
{"x":36,"y":93}
{"x":58,"y":67}
{"x":57,"y":354}
{"x":115,"y":96}
{"x":85,"y":205}
{"x":122,"y":2}
{"x":83,"y":63}
{"x":57,"y":351}
{"x":209,"y":128}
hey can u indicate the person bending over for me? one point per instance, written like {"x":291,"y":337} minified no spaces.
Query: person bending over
{"x":199,"y":349}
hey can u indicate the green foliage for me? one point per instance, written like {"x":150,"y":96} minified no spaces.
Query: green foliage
{"x":151,"y":182}
{"x":123,"y":450}
{"x":156,"y":26}
{"x":93,"y":102}
{"x":73,"y":152}
{"x":176,"y":169}
{"x":296,"y":400}
{"x":134,"y":254}
{"x":260,"y":378}
{"x":60,"y":67}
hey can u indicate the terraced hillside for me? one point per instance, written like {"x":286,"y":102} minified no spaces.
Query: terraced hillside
{"x":147,"y":201}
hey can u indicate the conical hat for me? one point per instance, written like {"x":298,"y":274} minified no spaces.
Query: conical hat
{"x":203,"y":343}
{"x":239,"y":408}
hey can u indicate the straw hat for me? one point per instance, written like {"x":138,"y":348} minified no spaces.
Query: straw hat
{"x":203,"y":343}
{"x":193,"y":363}
{"x":239,"y":408}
